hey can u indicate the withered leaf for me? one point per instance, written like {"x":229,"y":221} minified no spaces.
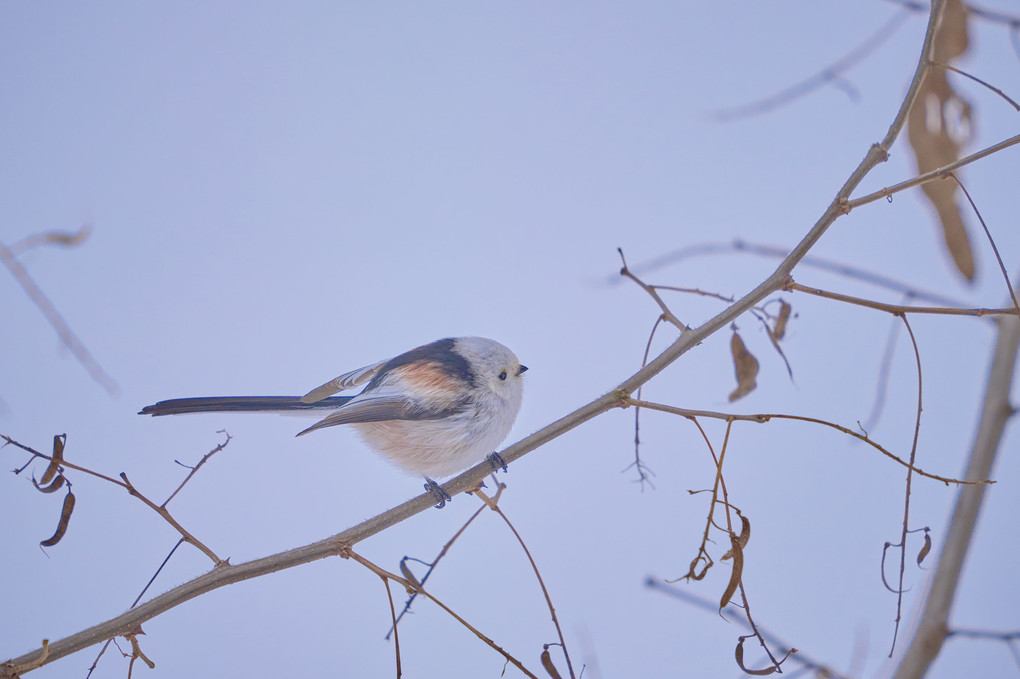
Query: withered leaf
{"x":924,"y":549}
{"x":547,"y":664}
{"x":937,"y":127}
{"x":742,"y":540}
{"x":406,"y":571}
{"x":57,"y":484}
{"x":779,"y":331}
{"x":746,"y":366}
{"x":65,"y":518}
{"x":58,"y":457}
{"x":737,"y":552}
{"x":739,"y":653}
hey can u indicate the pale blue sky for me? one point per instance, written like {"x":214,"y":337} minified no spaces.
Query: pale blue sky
{"x":280,"y":193}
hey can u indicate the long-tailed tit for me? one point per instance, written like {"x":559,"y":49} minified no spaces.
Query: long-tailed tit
{"x":433,"y":410}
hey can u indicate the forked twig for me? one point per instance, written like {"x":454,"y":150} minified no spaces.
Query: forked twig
{"x":95,"y":663}
{"x":126,"y":484}
{"x":411,"y":585}
{"x":761,"y":418}
{"x":937,"y":173}
{"x":431,"y":567}
{"x":227,"y":573}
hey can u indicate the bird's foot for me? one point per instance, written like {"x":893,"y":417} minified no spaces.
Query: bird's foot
{"x":496,"y":461}
{"x":441,"y":496}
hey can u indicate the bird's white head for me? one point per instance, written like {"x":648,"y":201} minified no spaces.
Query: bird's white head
{"x":496,"y":370}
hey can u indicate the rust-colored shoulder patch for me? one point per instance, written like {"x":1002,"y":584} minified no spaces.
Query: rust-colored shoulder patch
{"x":429,"y":379}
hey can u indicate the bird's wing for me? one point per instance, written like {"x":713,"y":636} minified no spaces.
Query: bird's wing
{"x":345,"y":381}
{"x":381,"y":407}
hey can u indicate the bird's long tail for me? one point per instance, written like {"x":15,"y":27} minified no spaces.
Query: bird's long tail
{"x":243,"y":404}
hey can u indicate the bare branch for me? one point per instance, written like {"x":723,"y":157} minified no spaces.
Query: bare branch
{"x":829,"y":75}
{"x":938,"y":173}
{"x":934,"y":619}
{"x":766,"y":417}
{"x":899,"y":309}
{"x":980,"y":82}
{"x":129,"y":487}
{"x":910,"y":478}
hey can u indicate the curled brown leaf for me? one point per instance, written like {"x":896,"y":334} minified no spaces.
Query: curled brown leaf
{"x":746,"y":366}
{"x":937,"y":127}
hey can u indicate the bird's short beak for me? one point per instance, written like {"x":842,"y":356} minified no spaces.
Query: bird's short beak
{"x":523,"y":369}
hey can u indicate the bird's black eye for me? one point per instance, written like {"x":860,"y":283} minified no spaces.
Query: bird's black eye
{"x":502,"y":375}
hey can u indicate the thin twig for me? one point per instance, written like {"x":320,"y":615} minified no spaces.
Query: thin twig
{"x":1008,"y":638}
{"x":910,"y":477}
{"x":811,"y":261}
{"x":979,"y":81}
{"x":95,"y":663}
{"x":432,"y":566}
{"x":228,"y":574}
{"x":666,"y":312}
{"x":383,"y":573}
{"x":393,"y":617}
{"x":541,"y":583}
{"x":126,"y":485}
{"x":198,"y":466}
{"x":938,"y":173}
{"x":830,"y":74}
{"x":52,"y":237}
{"x":761,"y":418}
{"x":884,"y":370}
{"x":933,"y":621}
{"x":737,"y":553}
{"x":800,"y":658}
{"x":644,"y":473}
{"x":64,"y":332}
{"x":991,"y":241}
{"x":692,"y":571}
{"x":898,"y":309}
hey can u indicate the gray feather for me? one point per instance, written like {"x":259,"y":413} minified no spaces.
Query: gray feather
{"x":220,"y":404}
{"x":381,"y":410}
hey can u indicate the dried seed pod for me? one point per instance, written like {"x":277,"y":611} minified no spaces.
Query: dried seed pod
{"x":57,"y":484}
{"x":745,"y":536}
{"x":65,"y":518}
{"x":737,"y":552}
{"x":924,"y":549}
{"x":54,"y":466}
{"x":547,"y":664}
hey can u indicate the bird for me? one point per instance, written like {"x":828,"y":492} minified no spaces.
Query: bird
{"x":432,"y":411}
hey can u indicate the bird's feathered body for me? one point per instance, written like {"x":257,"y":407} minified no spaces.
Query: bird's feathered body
{"x":433,"y":410}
